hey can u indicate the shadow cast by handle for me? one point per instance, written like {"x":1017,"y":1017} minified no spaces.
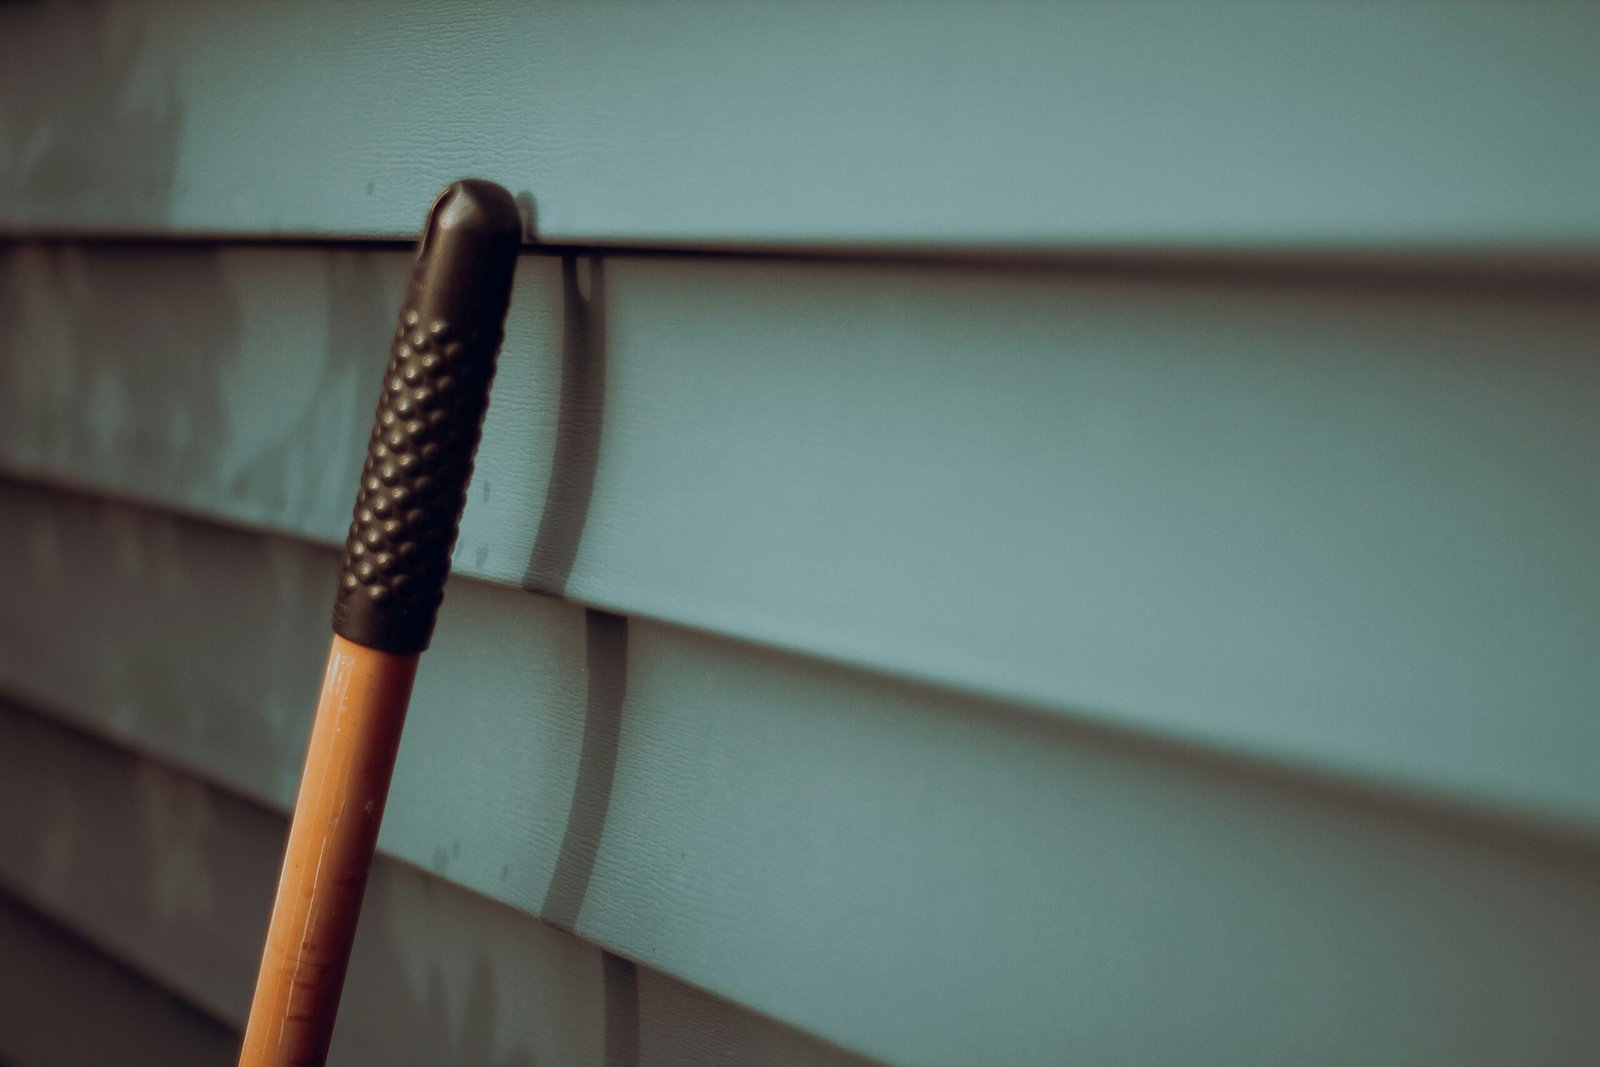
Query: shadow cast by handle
{"x":555,"y":548}
{"x":578,"y":425}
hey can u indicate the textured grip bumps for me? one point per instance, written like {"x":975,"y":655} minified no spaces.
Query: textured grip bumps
{"x":430,"y":414}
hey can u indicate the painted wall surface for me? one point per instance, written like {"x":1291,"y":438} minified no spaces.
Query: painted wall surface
{"x":1417,"y":124}
{"x":707,"y":808}
{"x":1101,"y":564}
{"x":438,"y":976}
{"x":1345,"y":523}
{"x":52,"y":984}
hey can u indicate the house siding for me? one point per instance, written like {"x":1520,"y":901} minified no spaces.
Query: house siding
{"x":1053,"y":535}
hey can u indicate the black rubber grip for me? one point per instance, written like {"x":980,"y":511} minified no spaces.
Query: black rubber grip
{"x":430,"y":415}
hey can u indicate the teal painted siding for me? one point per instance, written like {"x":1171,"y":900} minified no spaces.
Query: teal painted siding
{"x":1100,"y":564}
{"x":1416,"y":124}
{"x":52,"y":983}
{"x":1342,"y":524}
{"x":438,"y":975}
{"x":762,"y":806}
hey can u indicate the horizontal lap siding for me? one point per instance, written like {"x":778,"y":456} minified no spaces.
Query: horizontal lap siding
{"x":175,"y":877}
{"x":65,"y":1004}
{"x":1345,"y":524}
{"x":917,"y":876}
{"x":1409,"y":125}
{"x":1009,"y":663}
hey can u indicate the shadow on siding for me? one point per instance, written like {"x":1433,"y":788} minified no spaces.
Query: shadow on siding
{"x":555,"y":548}
{"x":73,"y":104}
{"x":578,"y":425}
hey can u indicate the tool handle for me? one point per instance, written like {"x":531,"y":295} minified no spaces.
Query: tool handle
{"x":413,"y":487}
{"x":336,"y":817}
{"x":430,"y":415}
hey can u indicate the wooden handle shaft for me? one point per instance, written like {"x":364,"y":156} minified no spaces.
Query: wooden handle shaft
{"x":348,"y":766}
{"x":397,"y":557}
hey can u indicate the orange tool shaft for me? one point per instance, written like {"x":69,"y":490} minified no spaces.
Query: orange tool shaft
{"x":353,"y":745}
{"x":397,"y":556}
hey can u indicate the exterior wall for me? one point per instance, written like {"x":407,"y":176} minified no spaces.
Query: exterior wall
{"x":52,"y":983}
{"x":1100,"y":566}
{"x":1223,"y":124}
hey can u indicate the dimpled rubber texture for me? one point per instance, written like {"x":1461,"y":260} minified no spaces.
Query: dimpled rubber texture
{"x":430,"y":415}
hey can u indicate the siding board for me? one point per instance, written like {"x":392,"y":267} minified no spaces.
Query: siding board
{"x":438,"y":976}
{"x":940,"y":879}
{"x":1217,"y":125}
{"x":64,"y":1004}
{"x":1346,"y":525}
